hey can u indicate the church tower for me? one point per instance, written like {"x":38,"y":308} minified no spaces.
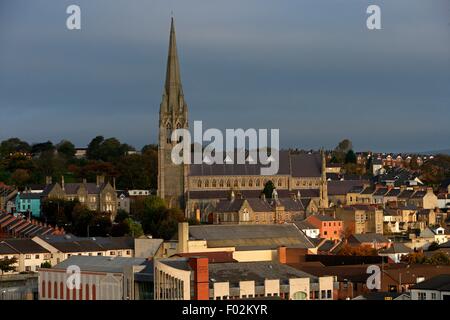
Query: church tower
{"x":323,"y":182}
{"x":173,"y":114}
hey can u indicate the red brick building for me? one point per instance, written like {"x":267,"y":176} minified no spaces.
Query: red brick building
{"x":330,"y":228}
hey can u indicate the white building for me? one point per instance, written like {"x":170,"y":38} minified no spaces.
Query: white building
{"x":436,"y":288}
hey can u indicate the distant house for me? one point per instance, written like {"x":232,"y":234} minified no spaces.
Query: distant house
{"x":123,"y":201}
{"x":435,"y":288}
{"x":100,"y":196}
{"x":308,"y":229}
{"x":377,"y":241}
{"x":28,"y":204}
{"x":395,"y":252}
{"x":330,"y":228}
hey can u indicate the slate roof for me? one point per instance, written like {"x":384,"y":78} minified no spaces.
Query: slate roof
{"x":396,"y":247}
{"x":342,"y":187}
{"x":227,"y":169}
{"x":92,"y":188}
{"x":393,"y":193}
{"x":250,"y":236}
{"x":103,"y":264}
{"x":324,"y":217}
{"x":254,"y":271}
{"x":303,"y":225}
{"x":439,"y":283}
{"x":368,"y":237}
{"x":297,"y":165}
{"x":6,"y":249}
{"x":70,"y":243}
{"x":25,"y":246}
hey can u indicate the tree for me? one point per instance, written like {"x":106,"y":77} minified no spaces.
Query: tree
{"x":20,"y":177}
{"x":93,"y":149}
{"x":436,"y":170}
{"x":363,"y":250}
{"x":268,"y":189}
{"x":350,"y":157}
{"x":158,"y":220}
{"x":38,"y":148}
{"x":13,"y":145}
{"x":46,"y":265}
{"x":7,"y":264}
{"x":66,"y":148}
{"x":341,"y":150}
{"x":134,"y":228}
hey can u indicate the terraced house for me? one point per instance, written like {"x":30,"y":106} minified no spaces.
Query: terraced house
{"x":100,"y":196}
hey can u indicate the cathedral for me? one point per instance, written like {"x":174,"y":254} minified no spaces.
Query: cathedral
{"x":204,"y":189}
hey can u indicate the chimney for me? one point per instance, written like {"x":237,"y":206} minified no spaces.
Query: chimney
{"x":114,"y":183}
{"x":62,"y":183}
{"x":183,"y":237}
{"x":84,"y":181}
{"x":48,"y":180}
{"x":282,"y":255}
{"x":100,"y":180}
{"x":199,"y":266}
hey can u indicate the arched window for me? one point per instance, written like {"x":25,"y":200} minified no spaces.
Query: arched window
{"x":94,"y":292}
{"x":49,"y":290}
{"x":280,"y":183}
{"x":87,"y":291}
{"x":74,"y":294}
{"x":243,"y":183}
{"x":81,"y":292}
{"x":67,"y":293}
{"x":221,"y":183}
{"x":168,"y":132}
{"x":61,"y":291}
{"x":250,"y":183}
{"x":258,"y":184}
{"x":206,"y":183}
{"x":199,"y":183}
{"x":214,"y":183}
{"x":180,"y":138}
{"x":228,"y":183}
{"x":55,"y":290}
{"x":236,"y":183}
{"x":43,"y":289}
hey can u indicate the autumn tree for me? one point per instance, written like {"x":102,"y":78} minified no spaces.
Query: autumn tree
{"x":7,"y":264}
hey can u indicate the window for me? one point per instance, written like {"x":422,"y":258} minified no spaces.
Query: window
{"x":325,"y":233}
{"x":214,"y":184}
{"x":119,"y":253}
{"x":99,"y":253}
{"x":329,"y":294}
{"x":28,"y":256}
{"x":199,"y":183}
{"x":433,"y":296}
{"x":37,"y":256}
{"x":422,"y":296}
{"x":128,"y":252}
{"x":257,"y":183}
{"x":221,"y":183}
{"x":206,"y":184}
{"x":112,"y":253}
{"x":236,"y":183}
{"x":323,"y":294}
{"x":250,"y":183}
{"x":28,"y":268}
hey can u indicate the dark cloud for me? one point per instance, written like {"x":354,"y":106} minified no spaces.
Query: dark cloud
{"x":310,"y":68}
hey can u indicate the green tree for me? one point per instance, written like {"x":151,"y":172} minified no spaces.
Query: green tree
{"x":268,"y":189}
{"x":93,"y":149}
{"x":66,"y":148}
{"x":7,"y":264}
{"x":46,"y":265}
{"x":13,"y":145}
{"x":350,"y":157}
{"x":42,"y":147}
{"x":20,"y":177}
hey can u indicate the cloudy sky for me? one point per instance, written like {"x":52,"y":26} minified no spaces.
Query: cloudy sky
{"x":308,"y":67}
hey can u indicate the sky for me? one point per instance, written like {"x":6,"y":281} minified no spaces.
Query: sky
{"x":310,"y":68}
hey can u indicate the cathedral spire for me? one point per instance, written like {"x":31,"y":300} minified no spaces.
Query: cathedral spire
{"x":173,"y":87}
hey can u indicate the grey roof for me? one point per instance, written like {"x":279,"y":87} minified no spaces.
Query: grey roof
{"x":291,"y":204}
{"x":70,"y":243}
{"x":92,"y":188}
{"x":380,"y":191}
{"x":368,"y":237}
{"x":227,"y":169}
{"x":254,"y":271}
{"x":30,"y":196}
{"x":406,"y":194}
{"x":342,"y":187}
{"x":297,"y":165}
{"x":306,"y":165}
{"x":393,"y":193}
{"x":6,"y":249}
{"x":396,"y":247}
{"x":439,"y":283}
{"x":368,"y":190}
{"x":102,"y":263}
{"x":304,"y":225}
{"x":246,"y":236}
{"x":25,"y":246}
